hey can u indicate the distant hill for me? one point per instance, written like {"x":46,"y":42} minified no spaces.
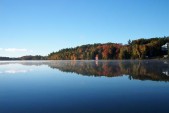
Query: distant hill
{"x":136,"y":49}
{"x":8,"y":58}
{"x":28,"y":57}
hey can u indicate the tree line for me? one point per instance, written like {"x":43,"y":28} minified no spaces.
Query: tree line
{"x":28,"y":57}
{"x":135,"y":49}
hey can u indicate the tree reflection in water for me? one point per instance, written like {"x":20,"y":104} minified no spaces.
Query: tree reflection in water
{"x":156,"y":70}
{"x":143,"y":70}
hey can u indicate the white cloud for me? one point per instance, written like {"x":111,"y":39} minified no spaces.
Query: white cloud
{"x":15,"y":50}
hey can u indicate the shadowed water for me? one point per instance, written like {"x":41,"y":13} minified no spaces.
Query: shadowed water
{"x":84,"y":86}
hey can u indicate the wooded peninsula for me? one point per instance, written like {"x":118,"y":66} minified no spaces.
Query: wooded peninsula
{"x":135,"y":49}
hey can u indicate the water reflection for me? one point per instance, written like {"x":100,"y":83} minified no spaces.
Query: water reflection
{"x":14,"y":71}
{"x":60,"y":87}
{"x":142,"y":70}
{"x":155,"y":70}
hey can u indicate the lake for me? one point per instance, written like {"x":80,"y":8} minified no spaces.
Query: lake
{"x":130,"y":86}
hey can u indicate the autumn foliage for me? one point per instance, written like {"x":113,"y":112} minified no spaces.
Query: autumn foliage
{"x":136,"y":49}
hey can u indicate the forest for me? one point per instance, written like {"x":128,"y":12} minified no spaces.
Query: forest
{"x":135,"y":49}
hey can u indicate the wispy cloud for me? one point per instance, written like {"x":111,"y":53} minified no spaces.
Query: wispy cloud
{"x":15,"y":50}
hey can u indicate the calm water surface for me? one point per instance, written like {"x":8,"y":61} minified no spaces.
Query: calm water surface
{"x":84,"y":87}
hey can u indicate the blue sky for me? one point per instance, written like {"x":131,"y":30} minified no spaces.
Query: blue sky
{"x":30,"y":27}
